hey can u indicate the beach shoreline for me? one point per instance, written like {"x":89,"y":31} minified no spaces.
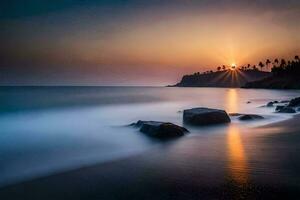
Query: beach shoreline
{"x":139,"y":177}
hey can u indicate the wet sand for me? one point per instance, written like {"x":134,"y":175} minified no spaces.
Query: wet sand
{"x":257,"y":163}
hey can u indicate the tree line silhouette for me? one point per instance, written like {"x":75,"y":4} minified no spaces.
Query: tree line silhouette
{"x":278,"y":67}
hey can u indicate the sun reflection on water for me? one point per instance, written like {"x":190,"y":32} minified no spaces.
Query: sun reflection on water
{"x":236,"y":156}
{"x":232,"y":101}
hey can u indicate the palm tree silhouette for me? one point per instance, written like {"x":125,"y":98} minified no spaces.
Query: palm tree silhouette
{"x":276,"y":61}
{"x":223,"y":67}
{"x":297,"y":58}
{"x":219,"y":68}
{"x":282,"y":63}
{"x":267,"y":63}
{"x":261,"y":65}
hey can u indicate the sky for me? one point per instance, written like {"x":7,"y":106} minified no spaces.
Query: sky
{"x":136,"y":42}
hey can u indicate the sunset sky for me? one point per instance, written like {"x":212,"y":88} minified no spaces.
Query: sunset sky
{"x":136,"y":42}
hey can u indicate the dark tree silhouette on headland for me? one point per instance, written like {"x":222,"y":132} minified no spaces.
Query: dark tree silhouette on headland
{"x":282,"y":68}
{"x":282,"y":63}
{"x":268,"y":62}
{"x":287,"y":68}
{"x":261,"y":65}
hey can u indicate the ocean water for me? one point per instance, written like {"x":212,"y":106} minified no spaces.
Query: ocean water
{"x":47,"y":130}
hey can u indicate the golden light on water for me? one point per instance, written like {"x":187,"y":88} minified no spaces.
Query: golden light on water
{"x":237,"y":162}
{"x":232,"y":101}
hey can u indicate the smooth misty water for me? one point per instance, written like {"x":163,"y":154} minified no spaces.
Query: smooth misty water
{"x":45,"y":130}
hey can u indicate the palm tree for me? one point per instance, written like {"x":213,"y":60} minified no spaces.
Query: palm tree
{"x":267,"y":63}
{"x":297,"y":58}
{"x":261,"y":65}
{"x":248,"y":66}
{"x":223,"y":67}
{"x":282,"y":63}
{"x":219,"y":68}
{"x":276,"y":61}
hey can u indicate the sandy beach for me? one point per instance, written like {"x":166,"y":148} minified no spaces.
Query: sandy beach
{"x":263,"y":166}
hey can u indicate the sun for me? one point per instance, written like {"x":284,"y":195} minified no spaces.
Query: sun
{"x":233,"y":66}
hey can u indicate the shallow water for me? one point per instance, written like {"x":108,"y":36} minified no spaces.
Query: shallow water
{"x":45,"y":130}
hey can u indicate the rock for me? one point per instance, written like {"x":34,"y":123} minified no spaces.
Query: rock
{"x":285,"y":101}
{"x":275,"y":102}
{"x":279,"y":108}
{"x":287,"y":110}
{"x":294,"y":102}
{"x":205,"y":116}
{"x":298,"y":109}
{"x":161,"y":130}
{"x":270,"y":104}
{"x":235,"y":114}
{"x":248,"y":102}
{"x":250,"y":117}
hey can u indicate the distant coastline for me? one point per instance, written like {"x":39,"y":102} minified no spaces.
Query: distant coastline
{"x":283,"y":75}
{"x":226,"y":78}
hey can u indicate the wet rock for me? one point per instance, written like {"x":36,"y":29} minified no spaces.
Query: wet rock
{"x":285,"y":101}
{"x":161,"y":130}
{"x":287,"y":110}
{"x":294,"y":102}
{"x":279,"y":108}
{"x":248,"y":102}
{"x":235,"y":114}
{"x":270,"y":104}
{"x":250,"y":117}
{"x":275,"y":102}
{"x":205,"y":116}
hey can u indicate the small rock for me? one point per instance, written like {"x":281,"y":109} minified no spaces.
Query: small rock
{"x":250,"y":117}
{"x":205,"y":116}
{"x":294,"y":102}
{"x":162,"y":130}
{"x":248,"y":102}
{"x":279,"y":108}
{"x":287,"y":110}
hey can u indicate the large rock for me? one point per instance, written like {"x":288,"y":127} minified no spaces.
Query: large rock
{"x":250,"y":117}
{"x":160,"y":129}
{"x":284,"y":101}
{"x":205,"y":116}
{"x":270,"y":104}
{"x":294,"y":102}
{"x":287,"y":110}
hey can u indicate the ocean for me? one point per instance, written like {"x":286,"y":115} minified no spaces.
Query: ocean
{"x":48,"y":130}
